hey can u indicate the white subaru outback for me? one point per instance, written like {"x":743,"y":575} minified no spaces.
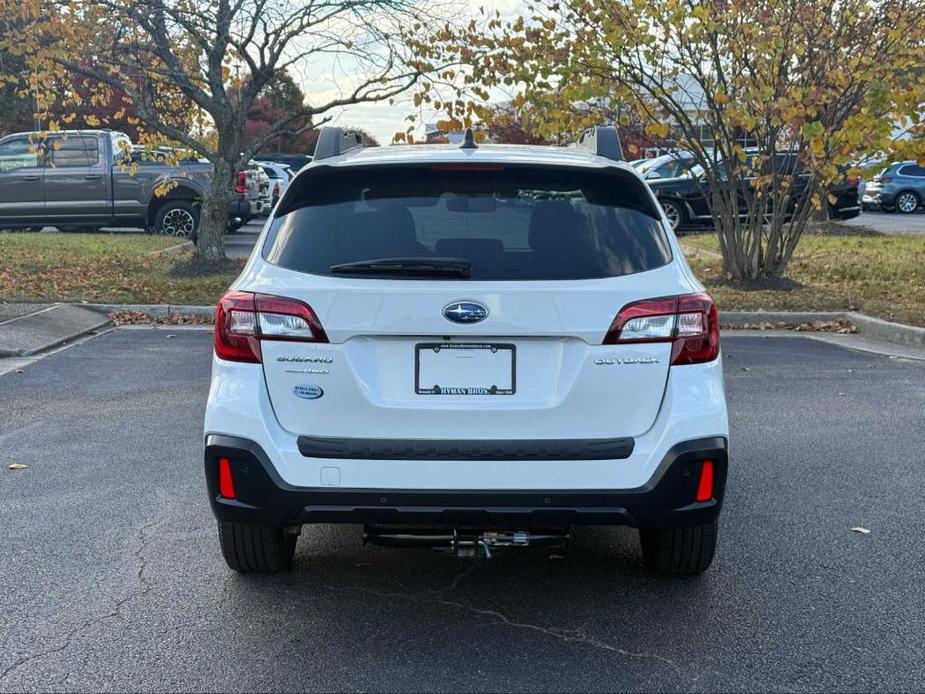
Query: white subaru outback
{"x":479,"y":345}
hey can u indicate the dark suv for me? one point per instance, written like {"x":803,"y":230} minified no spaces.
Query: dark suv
{"x":685,"y":199}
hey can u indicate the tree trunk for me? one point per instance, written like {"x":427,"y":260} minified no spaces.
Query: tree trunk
{"x":213,"y":220}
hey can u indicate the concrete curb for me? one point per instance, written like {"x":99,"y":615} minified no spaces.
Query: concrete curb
{"x":185,"y":247}
{"x":42,"y":330}
{"x":879,"y":329}
{"x":743,"y":318}
{"x":868,"y":326}
{"x":154,"y":310}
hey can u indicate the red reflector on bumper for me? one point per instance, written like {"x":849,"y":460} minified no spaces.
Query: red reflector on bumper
{"x":705,"y":486}
{"x":225,"y":483}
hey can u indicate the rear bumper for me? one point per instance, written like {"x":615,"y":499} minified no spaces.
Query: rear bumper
{"x":666,"y":500}
{"x":240,"y":208}
{"x":847,"y":212}
{"x":262,"y":206}
{"x":878,"y":198}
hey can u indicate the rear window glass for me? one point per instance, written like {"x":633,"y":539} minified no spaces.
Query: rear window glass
{"x":510,"y":223}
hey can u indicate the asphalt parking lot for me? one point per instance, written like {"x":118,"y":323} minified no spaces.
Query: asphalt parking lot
{"x":890,"y":223}
{"x":240,"y":243}
{"x":112,"y":577}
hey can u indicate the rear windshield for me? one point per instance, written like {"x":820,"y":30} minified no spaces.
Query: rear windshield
{"x":509,"y":223}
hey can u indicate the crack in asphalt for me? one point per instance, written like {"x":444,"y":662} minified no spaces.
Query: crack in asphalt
{"x":576,"y":635}
{"x":115,"y":612}
{"x":454,"y":584}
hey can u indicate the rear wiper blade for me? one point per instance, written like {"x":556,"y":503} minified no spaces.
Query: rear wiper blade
{"x":444,"y":267}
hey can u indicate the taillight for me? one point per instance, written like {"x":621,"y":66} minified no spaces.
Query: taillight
{"x":690,"y":322}
{"x":243,"y":319}
{"x":236,"y":328}
{"x":242,"y":182}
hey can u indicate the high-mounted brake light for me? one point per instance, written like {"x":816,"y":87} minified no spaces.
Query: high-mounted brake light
{"x":467,"y":166}
{"x":689,"y":322}
{"x":243,"y":319}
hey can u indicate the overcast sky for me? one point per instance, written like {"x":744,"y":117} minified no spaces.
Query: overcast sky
{"x":382,"y":120}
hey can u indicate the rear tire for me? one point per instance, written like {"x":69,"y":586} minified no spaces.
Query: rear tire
{"x":254,"y":548}
{"x":675,"y":213}
{"x":177,"y":218}
{"x":679,"y":551}
{"x":906,"y":202}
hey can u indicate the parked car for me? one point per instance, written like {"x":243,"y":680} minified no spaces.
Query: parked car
{"x":262,"y":184}
{"x":900,"y":187}
{"x":672,"y":165}
{"x":250,"y":184}
{"x":685,"y":198}
{"x":279,"y":176}
{"x":293,"y":160}
{"x":407,"y":350}
{"x":81,"y":179}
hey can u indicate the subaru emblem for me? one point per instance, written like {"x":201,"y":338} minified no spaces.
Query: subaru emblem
{"x":465,"y":312}
{"x":307,"y":391}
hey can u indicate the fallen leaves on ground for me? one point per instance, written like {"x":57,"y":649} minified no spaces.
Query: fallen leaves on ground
{"x":842,"y":327}
{"x":860,"y":531}
{"x":18,"y":466}
{"x":142,"y":318}
{"x":103,"y":268}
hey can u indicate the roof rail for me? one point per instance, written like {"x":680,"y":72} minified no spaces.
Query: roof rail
{"x":602,"y":141}
{"x":333,"y":142}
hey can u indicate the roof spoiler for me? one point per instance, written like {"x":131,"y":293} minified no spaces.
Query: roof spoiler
{"x":601,"y":141}
{"x":333,"y":142}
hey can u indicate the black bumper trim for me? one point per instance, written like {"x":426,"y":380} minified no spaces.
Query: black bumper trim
{"x":487,"y":449}
{"x":666,"y":500}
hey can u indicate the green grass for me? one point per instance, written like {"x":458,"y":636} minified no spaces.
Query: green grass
{"x":882,"y":276}
{"x":106,"y":268}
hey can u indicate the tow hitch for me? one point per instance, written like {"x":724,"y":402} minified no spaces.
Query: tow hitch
{"x":463,"y":542}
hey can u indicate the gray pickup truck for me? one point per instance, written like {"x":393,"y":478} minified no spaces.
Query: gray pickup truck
{"x":86,"y":179}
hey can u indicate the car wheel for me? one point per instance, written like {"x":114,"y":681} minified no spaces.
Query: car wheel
{"x":177,"y":218}
{"x":679,"y":551}
{"x":675,"y":214}
{"x":906,"y":202}
{"x":255,"y":548}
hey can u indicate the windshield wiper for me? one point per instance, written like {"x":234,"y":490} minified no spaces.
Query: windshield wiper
{"x":412,"y":267}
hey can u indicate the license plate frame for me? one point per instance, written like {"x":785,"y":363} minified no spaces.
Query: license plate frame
{"x":473,"y":390}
